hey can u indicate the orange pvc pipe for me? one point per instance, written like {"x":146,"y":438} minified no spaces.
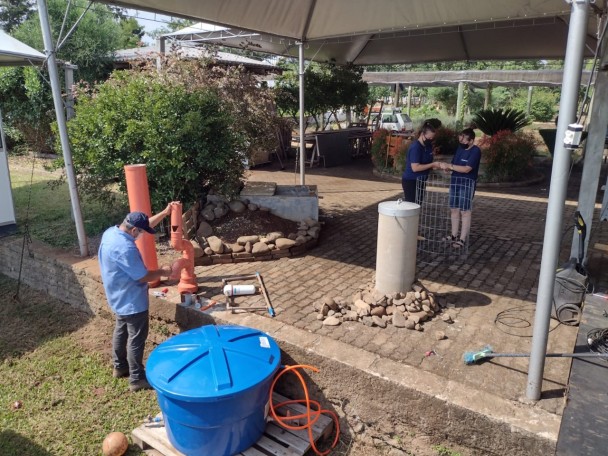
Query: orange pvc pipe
{"x":139,"y":200}
{"x":187,"y":282}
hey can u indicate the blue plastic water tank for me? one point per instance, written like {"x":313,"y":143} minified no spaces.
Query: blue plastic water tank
{"x":213,"y":385}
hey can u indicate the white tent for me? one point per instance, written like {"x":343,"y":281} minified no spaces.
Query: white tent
{"x":12,"y":53}
{"x":385,"y":31}
{"x":15,"y":53}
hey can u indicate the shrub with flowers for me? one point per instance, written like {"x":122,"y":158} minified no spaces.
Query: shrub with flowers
{"x":378,"y":148}
{"x":508,"y":155}
{"x":389,"y":159}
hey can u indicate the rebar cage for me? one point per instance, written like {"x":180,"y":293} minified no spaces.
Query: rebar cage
{"x":437,"y":196}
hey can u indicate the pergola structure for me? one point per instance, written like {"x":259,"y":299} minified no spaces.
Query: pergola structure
{"x":482,"y":79}
{"x":475,"y":78}
{"x":398,"y":31}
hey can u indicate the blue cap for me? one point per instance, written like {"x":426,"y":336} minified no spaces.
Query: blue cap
{"x":139,"y":220}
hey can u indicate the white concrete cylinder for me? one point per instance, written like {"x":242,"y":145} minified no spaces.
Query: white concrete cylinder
{"x":397,"y":242}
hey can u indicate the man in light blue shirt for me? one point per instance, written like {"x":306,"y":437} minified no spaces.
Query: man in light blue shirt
{"x":125,"y":281}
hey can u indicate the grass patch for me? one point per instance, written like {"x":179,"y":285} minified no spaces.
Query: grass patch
{"x":69,"y":400}
{"x":49,"y":215}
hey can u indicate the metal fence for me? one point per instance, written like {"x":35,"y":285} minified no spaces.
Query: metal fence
{"x":440,"y":199}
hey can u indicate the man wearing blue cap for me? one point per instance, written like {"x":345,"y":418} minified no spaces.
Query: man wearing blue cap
{"x":125,"y":281}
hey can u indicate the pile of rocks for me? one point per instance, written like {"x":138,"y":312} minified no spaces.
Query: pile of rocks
{"x":259,"y":245}
{"x":373,"y":308}
{"x":218,"y":206}
{"x":211,"y":249}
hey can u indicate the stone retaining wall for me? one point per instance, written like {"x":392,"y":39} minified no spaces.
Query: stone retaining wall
{"x":69,"y":278}
{"x":243,"y":257}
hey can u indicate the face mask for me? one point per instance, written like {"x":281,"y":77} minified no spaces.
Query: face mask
{"x":428,"y":142}
{"x":139,"y":234}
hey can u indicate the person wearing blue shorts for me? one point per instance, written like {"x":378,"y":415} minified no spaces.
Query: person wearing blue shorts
{"x":465,"y":170}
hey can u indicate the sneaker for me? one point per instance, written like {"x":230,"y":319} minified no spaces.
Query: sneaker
{"x":120,"y":373}
{"x":140,"y":385}
{"x":458,"y":244}
{"x":450,"y":238}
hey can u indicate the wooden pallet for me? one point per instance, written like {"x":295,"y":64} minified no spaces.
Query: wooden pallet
{"x":276,"y":441}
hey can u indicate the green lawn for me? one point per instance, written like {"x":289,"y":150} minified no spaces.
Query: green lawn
{"x":68,"y":400}
{"x":45,"y":206}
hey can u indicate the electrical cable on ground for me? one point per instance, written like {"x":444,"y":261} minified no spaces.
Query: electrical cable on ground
{"x":512,"y":318}
{"x":313,"y":409}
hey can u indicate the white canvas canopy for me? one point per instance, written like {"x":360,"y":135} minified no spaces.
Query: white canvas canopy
{"x":15,"y":53}
{"x":386,"y":31}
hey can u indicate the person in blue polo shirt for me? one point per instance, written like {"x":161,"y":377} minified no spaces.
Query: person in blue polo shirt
{"x":418,"y":164}
{"x":125,"y":281}
{"x":465,"y":169}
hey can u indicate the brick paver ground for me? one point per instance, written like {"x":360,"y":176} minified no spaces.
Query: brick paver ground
{"x":491,"y":293}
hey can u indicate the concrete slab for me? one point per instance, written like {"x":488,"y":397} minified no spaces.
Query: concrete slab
{"x":291,"y":202}
{"x":258,"y":189}
{"x":490,"y":294}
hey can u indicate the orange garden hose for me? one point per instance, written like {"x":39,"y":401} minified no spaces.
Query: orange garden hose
{"x":313,"y":409}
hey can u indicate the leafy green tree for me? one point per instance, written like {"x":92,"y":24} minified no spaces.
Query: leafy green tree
{"x":25,"y":94}
{"x":90,"y":46}
{"x":350,"y":89}
{"x":378,"y":92}
{"x":14,"y":12}
{"x":446,"y":97}
{"x":132,"y":33}
{"x":328,"y":87}
{"x":193,"y":124}
{"x":544,"y":106}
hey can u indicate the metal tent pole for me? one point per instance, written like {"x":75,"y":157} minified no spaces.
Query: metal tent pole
{"x":594,"y":151}
{"x":302,"y":120}
{"x":61,"y":125}
{"x":573,"y":64}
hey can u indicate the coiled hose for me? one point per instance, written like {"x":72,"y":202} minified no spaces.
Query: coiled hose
{"x":313,"y":409}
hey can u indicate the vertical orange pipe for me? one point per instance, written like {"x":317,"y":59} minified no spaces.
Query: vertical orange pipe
{"x":187,"y":282}
{"x":139,"y":200}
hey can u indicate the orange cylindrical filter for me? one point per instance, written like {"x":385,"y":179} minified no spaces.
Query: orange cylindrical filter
{"x":139,"y":200}
{"x":187,"y":282}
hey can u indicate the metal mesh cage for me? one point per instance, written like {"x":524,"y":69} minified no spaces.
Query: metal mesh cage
{"x":438,"y":196}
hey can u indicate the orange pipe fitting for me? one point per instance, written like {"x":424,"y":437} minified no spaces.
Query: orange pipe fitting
{"x":139,"y":200}
{"x":187,"y":282}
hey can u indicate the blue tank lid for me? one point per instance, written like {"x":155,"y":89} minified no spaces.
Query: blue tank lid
{"x":211,"y":362}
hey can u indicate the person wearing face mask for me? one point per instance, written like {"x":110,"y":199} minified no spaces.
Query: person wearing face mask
{"x":418,"y":164}
{"x":465,"y":169}
{"x":125,"y":281}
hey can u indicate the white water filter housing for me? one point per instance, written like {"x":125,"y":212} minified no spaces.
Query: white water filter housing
{"x":239,"y":290}
{"x":397,"y":243}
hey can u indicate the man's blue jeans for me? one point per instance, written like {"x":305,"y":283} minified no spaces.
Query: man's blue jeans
{"x":128,"y":343}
